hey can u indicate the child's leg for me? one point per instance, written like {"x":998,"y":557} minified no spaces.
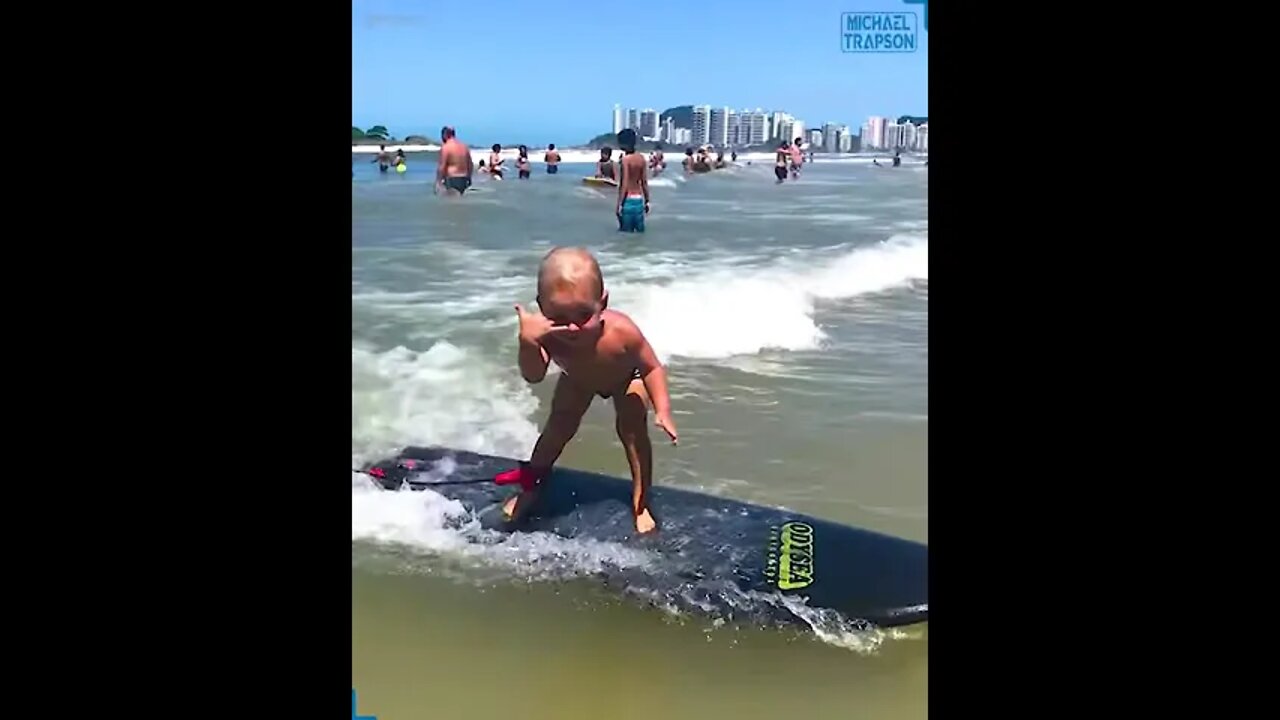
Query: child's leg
{"x":568,"y":405}
{"x":633,"y":430}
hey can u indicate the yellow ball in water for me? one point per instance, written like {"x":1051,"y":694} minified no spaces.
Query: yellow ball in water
{"x":401,"y":168}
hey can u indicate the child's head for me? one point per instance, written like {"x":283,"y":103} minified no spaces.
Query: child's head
{"x":606,"y":153}
{"x":551,"y":146}
{"x":524,"y":151}
{"x":571,"y":291}
{"x":627,"y":140}
{"x":497,"y":147}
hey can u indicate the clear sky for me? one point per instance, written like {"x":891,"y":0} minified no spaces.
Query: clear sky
{"x":551,"y":70}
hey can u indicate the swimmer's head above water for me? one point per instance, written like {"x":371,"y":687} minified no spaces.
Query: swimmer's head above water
{"x":627,"y":140}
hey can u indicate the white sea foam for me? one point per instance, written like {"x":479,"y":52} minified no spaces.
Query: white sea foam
{"x":718,"y":313}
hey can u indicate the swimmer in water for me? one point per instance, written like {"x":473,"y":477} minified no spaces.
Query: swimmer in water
{"x":399,"y":158}
{"x":604,"y":166}
{"x":383,"y":159}
{"x":600,"y":352}
{"x":702,"y":162}
{"x":633,"y":185}
{"x":552,"y":159}
{"x":780,"y":160}
{"x":688,"y":160}
{"x":797,"y":158}
{"x":657,"y":162}
{"x":453,"y":169}
{"x":522,"y":163}
{"x":495,"y":162}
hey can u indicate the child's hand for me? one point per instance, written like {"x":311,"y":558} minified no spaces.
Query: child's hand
{"x":668,"y":426}
{"x":534,"y":326}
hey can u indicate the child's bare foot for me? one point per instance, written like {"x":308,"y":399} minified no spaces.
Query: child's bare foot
{"x":518,"y":504}
{"x":645,"y":522}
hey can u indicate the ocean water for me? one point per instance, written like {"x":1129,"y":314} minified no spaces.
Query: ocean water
{"x":794,"y":322}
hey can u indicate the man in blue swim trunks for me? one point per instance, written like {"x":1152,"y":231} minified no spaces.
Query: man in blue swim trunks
{"x":633,"y":186}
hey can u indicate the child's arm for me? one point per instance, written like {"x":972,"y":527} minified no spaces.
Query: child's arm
{"x":654,"y":376}
{"x":533,"y":361}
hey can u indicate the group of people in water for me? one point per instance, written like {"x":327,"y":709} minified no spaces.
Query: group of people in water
{"x":454,"y":170}
{"x":789,"y":158}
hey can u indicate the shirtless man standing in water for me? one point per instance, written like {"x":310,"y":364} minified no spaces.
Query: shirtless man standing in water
{"x":633,"y":185}
{"x":552,"y":159}
{"x":601,"y":352}
{"x":453,"y":168}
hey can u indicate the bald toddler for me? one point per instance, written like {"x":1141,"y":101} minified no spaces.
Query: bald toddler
{"x":600,"y":352}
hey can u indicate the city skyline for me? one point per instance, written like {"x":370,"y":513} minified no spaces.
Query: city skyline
{"x":555,"y":93}
{"x":726,"y":127}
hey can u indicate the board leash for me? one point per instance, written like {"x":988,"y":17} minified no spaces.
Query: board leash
{"x":378,"y":474}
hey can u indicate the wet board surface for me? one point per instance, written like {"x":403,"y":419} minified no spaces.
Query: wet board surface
{"x":715,"y":555}
{"x":603,"y":182}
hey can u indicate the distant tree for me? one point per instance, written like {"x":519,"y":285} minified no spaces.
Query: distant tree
{"x":416,"y":140}
{"x":378,"y":132}
{"x":357,"y":133}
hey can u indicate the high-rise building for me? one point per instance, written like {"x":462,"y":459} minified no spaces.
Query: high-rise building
{"x":831,"y":136}
{"x":846,"y":140}
{"x":649,"y":123}
{"x":775,"y":124}
{"x":892,"y":136}
{"x":633,"y":119}
{"x":790,"y":129}
{"x":701,"y":124}
{"x":669,"y":130}
{"x":878,"y":125}
{"x":718,"y":134}
{"x":909,"y":136}
{"x":865,"y":136}
{"x":617,"y":119}
{"x":815,"y":138}
{"x":735,"y":127}
{"x":753,"y":127}
{"x":922,"y":138}
{"x":683,"y":136}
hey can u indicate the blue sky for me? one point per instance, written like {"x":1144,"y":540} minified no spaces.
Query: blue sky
{"x":551,"y":71}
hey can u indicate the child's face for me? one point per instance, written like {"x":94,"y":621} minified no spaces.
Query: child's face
{"x":576,"y":311}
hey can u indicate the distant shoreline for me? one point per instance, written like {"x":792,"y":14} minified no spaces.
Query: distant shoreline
{"x":586,"y":156}
{"x":583,"y":154}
